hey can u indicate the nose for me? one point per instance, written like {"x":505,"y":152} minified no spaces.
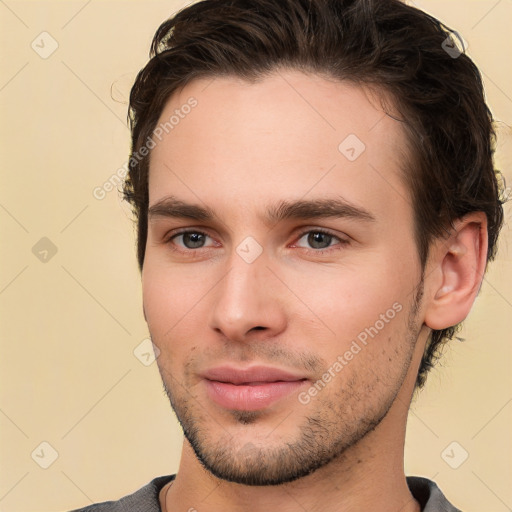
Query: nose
{"x":247,"y":302}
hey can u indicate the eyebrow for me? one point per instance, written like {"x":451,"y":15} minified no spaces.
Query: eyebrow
{"x":174,"y":208}
{"x":171,"y":207}
{"x":317,"y":209}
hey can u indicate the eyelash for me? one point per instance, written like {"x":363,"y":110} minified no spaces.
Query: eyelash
{"x":327,"y":251}
{"x":341,"y":242}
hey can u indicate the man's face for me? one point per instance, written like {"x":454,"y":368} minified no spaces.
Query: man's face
{"x":285,"y":338}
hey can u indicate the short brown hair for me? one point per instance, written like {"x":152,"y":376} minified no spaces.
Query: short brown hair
{"x":384,"y":43}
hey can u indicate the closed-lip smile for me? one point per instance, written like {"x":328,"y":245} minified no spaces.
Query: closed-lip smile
{"x":251,"y":388}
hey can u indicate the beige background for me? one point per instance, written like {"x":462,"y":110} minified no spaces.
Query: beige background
{"x":70,"y":324}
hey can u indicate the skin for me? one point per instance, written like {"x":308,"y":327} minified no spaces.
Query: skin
{"x":297,"y":307}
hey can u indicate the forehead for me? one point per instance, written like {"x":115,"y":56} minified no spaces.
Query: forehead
{"x":285,"y":136}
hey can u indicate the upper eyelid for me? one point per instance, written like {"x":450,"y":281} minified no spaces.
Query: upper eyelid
{"x":184,"y":231}
{"x":301,"y":232}
{"x":320,"y":230}
{"x":180,"y":231}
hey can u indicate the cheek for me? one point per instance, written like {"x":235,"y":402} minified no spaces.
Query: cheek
{"x":349,"y":299}
{"x":168,"y":303}
{"x":157,"y":298}
{"x":168,"y":296}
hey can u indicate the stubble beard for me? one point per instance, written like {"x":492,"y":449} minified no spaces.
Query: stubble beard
{"x":325,"y":434}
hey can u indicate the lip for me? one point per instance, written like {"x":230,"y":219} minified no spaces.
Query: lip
{"x":251,"y":374}
{"x":250,"y":389}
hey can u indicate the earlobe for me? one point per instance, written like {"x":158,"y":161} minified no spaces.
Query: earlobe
{"x":456,"y":272}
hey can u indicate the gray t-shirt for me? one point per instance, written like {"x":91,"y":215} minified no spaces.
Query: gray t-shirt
{"x":426,"y":493}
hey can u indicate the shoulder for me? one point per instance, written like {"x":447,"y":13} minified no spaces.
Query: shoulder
{"x":429,"y":496}
{"x":143,"y":500}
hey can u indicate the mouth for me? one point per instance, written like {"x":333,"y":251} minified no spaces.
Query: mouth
{"x":250,"y":389}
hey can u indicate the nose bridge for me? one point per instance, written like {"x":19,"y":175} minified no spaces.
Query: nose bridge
{"x":245,"y":298}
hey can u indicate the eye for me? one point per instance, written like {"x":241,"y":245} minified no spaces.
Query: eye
{"x":319,"y":239}
{"x":190,"y":239}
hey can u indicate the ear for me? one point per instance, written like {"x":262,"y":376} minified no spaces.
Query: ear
{"x":455,"y":271}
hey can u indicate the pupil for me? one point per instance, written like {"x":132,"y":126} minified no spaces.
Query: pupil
{"x":319,"y":240}
{"x":193,"y":240}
